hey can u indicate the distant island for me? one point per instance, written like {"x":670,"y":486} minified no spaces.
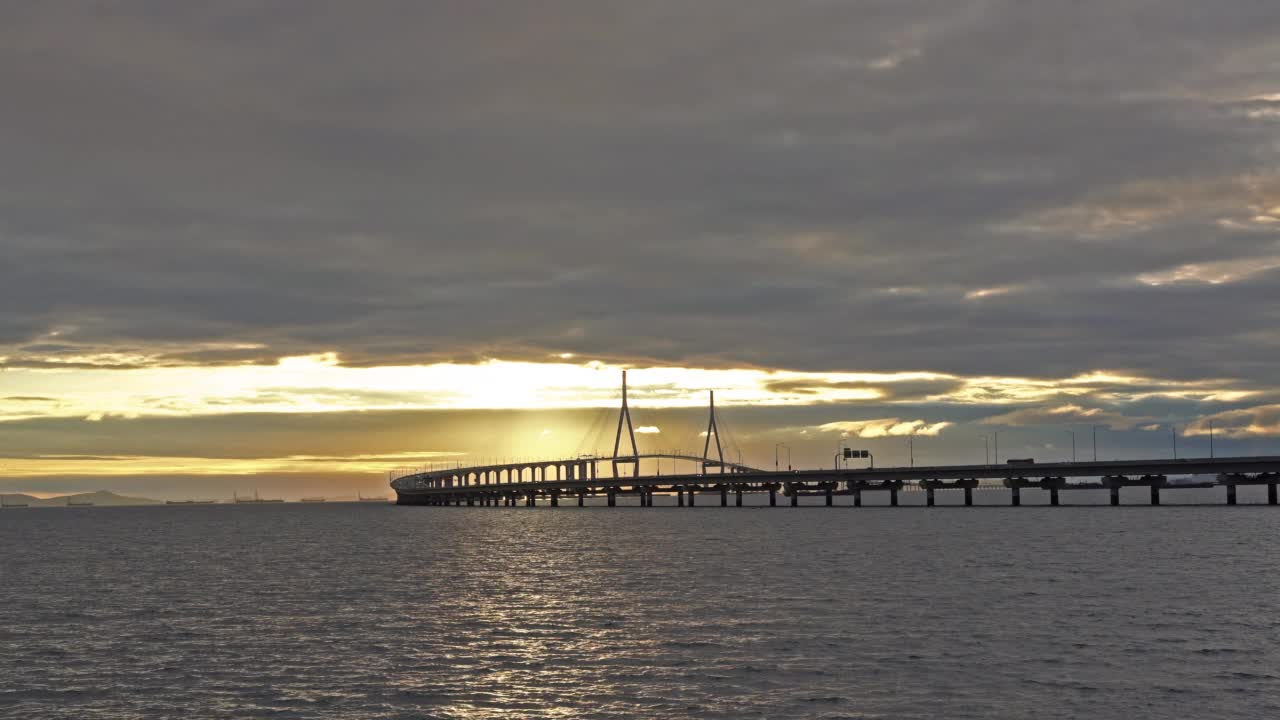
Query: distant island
{"x":103,"y":498}
{"x":106,"y":498}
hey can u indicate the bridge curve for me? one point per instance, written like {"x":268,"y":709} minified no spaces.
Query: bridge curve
{"x":565,"y":469}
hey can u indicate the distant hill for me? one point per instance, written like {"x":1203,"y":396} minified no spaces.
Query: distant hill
{"x":101,"y":498}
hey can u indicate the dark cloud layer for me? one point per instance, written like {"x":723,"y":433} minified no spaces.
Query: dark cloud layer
{"x":809,"y":185}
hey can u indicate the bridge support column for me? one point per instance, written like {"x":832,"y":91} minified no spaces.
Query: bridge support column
{"x":457,"y":502}
{"x":1016,"y":498}
{"x":1053,"y":495}
{"x":1271,"y":494}
{"x":692,"y":493}
{"x":533,"y":498}
{"x":857,"y":498}
{"x":1231,"y":494}
{"x":581,"y":498}
{"x":1115,"y":495}
{"x":724,"y":496}
{"x":737,"y":497}
{"x":613,"y":498}
{"x":893,"y":497}
{"x":928,"y":497}
{"x":968,"y":497}
{"x":680,"y":496}
{"x":829,"y":499}
{"x":773,"y":496}
{"x":1155,"y":494}
{"x":471,"y":500}
{"x":555,"y":498}
{"x":795,"y":497}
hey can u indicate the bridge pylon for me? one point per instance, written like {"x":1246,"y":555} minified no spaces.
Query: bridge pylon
{"x":625,"y":414}
{"x":712,"y":429}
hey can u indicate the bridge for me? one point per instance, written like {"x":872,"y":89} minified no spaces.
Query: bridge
{"x":528,"y":482}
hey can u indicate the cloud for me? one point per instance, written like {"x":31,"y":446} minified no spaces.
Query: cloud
{"x":1260,"y":421}
{"x":1064,"y":415}
{"x":883,"y":427}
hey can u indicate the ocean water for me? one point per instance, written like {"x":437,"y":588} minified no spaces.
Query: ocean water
{"x":373,"y":611}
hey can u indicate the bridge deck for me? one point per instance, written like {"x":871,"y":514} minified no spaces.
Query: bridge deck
{"x":487,"y":483}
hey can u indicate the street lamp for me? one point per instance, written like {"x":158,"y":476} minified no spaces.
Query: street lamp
{"x":1211,"y":439}
{"x":1173,"y":431}
{"x":1072,"y":433}
{"x":986,"y":449}
{"x":911,"y":449}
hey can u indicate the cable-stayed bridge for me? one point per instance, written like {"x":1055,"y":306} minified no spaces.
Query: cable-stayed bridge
{"x":577,"y":478}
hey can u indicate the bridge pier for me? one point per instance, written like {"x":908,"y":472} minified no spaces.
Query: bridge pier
{"x":680,"y":496}
{"x":928,"y":497}
{"x":1053,"y":496}
{"x":857,"y":497}
{"x":471,"y":500}
{"x":1016,"y":498}
{"x":893,"y":496}
{"x":1271,"y":494}
{"x":1155,"y":494}
{"x":555,"y":498}
{"x":613,"y":498}
{"x":968,"y":497}
{"x":773,"y":496}
{"x":581,"y":498}
{"x":1115,"y":496}
{"x":724,"y":496}
{"x":1231,"y":494}
{"x":795,"y":497}
{"x":737,"y":496}
{"x":829,"y":499}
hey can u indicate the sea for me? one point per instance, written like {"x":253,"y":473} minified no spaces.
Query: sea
{"x":377,"y":611}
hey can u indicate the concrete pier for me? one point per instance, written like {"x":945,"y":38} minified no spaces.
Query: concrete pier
{"x":737,"y":497}
{"x":1271,"y":493}
{"x":928,"y":497}
{"x":1015,"y":498}
{"x":773,"y":496}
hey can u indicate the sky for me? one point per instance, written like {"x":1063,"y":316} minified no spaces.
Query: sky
{"x":291,"y":246}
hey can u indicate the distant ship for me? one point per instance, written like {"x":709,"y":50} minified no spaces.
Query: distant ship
{"x":189,"y":502}
{"x":313,"y":499}
{"x":255,"y":499}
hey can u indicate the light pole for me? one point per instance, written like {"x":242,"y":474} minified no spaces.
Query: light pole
{"x":911,"y":449}
{"x":1095,"y":442}
{"x":996,"y":434}
{"x":788,"y":448}
{"x":775,"y":456}
{"x":1211,"y":439}
{"x":1072,"y":433}
{"x":986,"y":449}
{"x":1173,"y":432}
